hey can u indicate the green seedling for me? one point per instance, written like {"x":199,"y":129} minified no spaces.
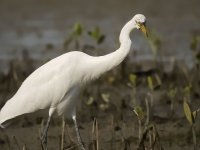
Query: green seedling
{"x":150,"y":83}
{"x":132,"y":79}
{"x":154,"y":81}
{"x":105,"y":97}
{"x":194,"y":42}
{"x":90,"y":101}
{"x":188,"y":113}
{"x":77,"y":29}
{"x":191,"y":117}
{"x":194,"y":45}
{"x":140,"y":116}
{"x":95,"y":135}
{"x":187,"y":91}
{"x":139,"y":112}
{"x":172,"y":92}
{"x":74,"y":35}
{"x":97,"y":35}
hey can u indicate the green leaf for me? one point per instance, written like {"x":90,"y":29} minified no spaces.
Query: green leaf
{"x":150,"y":82}
{"x":188,"y":112}
{"x":105,"y":97}
{"x":90,"y":101}
{"x":139,"y":112}
{"x":194,"y":42}
{"x":133,"y":79}
{"x":103,"y":106}
{"x":194,"y":114}
{"x":77,"y":29}
{"x":97,"y":35}
{"x":187,"y":89}
{"x":157,"y":77}
{"x":100,"y":39}
{"x":172,"y":92}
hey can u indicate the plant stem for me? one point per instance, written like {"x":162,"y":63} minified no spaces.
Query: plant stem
{"x":194,"y":137}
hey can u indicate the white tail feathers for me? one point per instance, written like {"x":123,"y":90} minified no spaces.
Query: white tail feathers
{"x":2,"y":126}
{"x":12,"y":109}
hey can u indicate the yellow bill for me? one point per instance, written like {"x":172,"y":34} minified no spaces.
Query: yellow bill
{"x":144,"y":29}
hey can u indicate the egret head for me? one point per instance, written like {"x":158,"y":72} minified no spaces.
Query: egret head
{"x":140,"y":23}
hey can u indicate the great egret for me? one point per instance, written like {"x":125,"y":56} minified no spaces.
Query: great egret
{"x":56,"y":84}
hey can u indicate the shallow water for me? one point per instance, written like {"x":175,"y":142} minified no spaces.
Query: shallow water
{"x":31,"y":25}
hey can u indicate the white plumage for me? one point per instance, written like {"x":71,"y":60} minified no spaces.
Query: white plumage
{"x":56,"y":84}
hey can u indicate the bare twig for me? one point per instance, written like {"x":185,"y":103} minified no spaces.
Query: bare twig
{"x":16,"y":142}
{"x":97,"y":136}
{"x":62,"y":135}
{"x":24,"y":147}
{"x":194,"y":137}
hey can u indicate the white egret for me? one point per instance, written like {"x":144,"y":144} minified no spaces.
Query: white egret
{"x":56,"y":84}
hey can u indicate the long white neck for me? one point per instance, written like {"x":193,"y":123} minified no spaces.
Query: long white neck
{"x":101,"y":64}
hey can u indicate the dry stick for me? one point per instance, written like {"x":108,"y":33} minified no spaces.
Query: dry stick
{"x":147,"y":120}
{"x":16,"y":142}
{"x":8,"y":141}
{"x":63,"y":134}
{"x":157,"y":138}
{"x":150,"y":139}
{"x":194,"y":137}
{"x":93,"y":133}
{"x":127,"y":143}
{"x":140,"y":128}
{"x":141,"y":142}
{"x":148,"y":111}
{"x":24,"y":147}
{"x":71,"y":144}
{"x":6,"y":138}
{"x":69,"y":137}
{"x":40,"y":133}
{"x":122,"y":138}
{"x":146,"y":129}
{"x":112,"y":132}
{"x":97,"y":136}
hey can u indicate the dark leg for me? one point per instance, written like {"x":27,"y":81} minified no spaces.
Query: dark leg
{"x":44,"y":134}
{"x":78,"y":134}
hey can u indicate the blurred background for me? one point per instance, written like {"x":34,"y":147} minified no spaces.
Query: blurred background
{"x":33,"y":24}
{"x":166,"y":65}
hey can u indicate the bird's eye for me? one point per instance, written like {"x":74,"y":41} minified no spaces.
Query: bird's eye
{"x":141,"y":23}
